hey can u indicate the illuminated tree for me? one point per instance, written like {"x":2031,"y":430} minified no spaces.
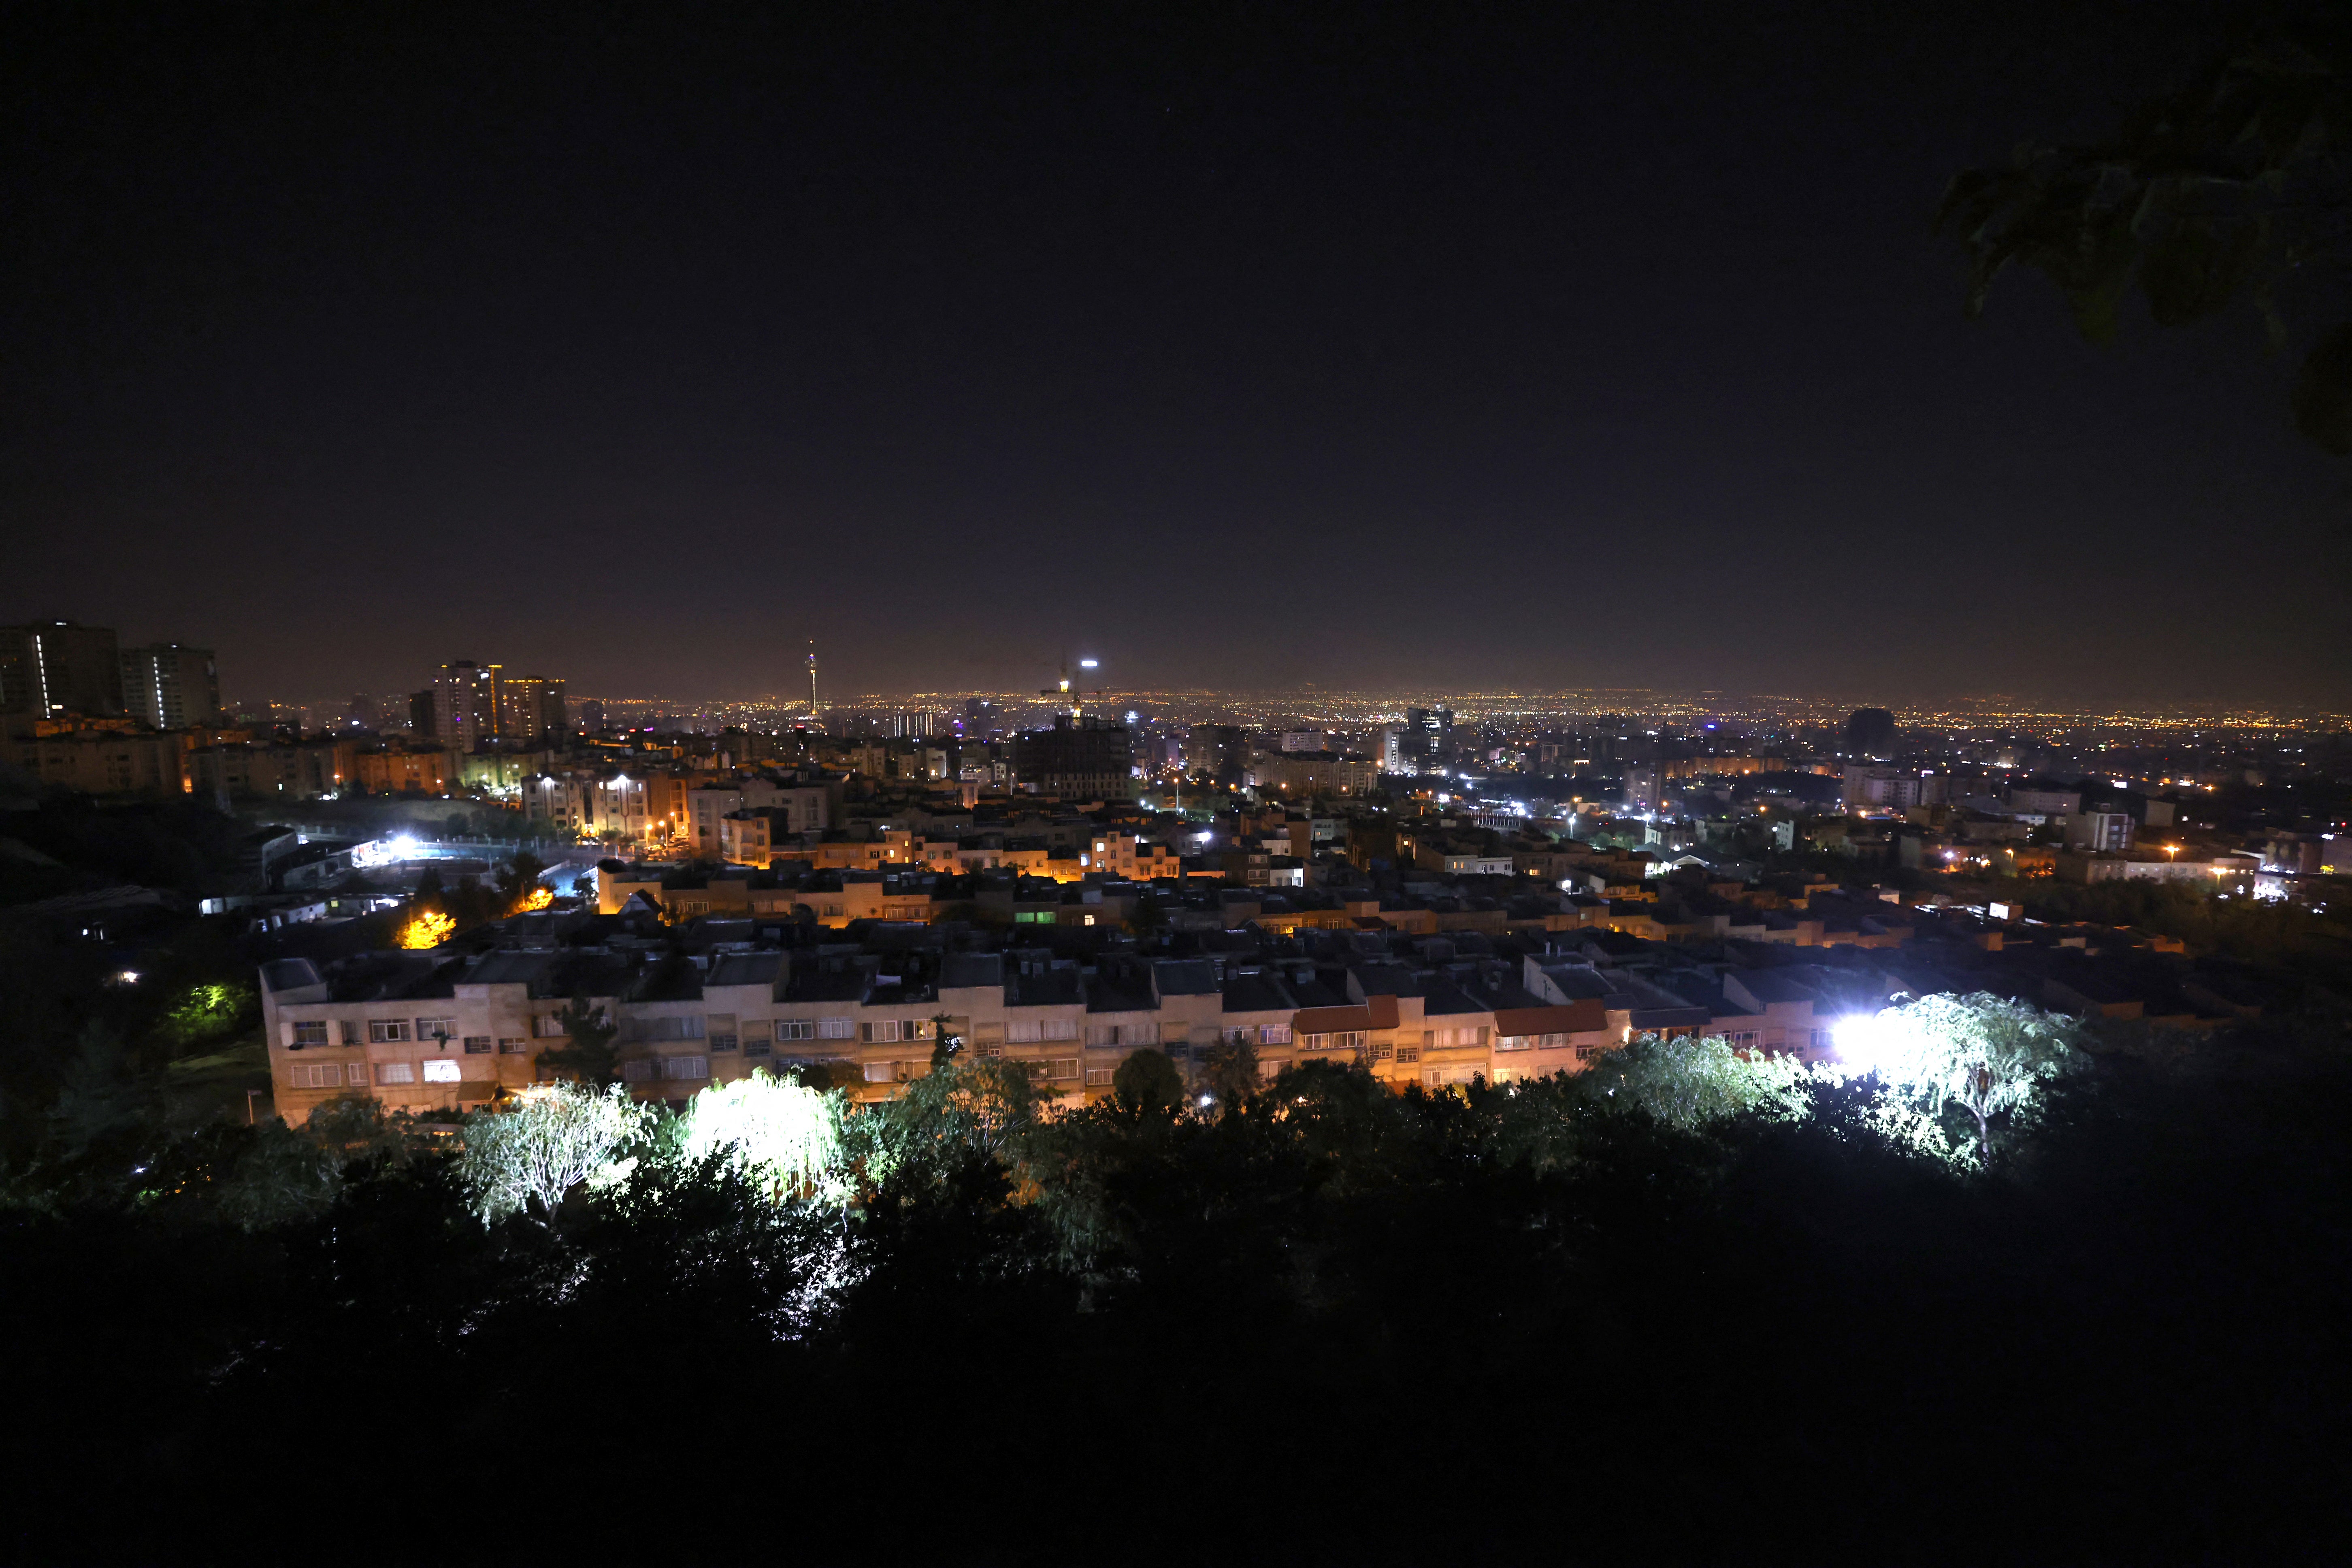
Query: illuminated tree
{"x":428,"y":928}
{"x":557,"y":1137}
{"x":782,"y":1136}
{"x":1690,"y":1081}
{"x":1982,"y":1055}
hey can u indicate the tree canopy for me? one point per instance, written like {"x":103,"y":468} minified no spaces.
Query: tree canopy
{"x":2233,"y":186}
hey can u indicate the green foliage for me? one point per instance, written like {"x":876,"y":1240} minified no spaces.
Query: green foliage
{"x":99,"y":1092}
{"x":283,"y":1175}
{"x":209,"y":1012}
{"x":1982,"y":1057}
{"x":1230,"y":1073}
{"x":2255,"y":929}
{"x":1690,"y":1081}
{"x":590,"y":1056}
{"x":982,"y":1106}
{"x":536,"y":1153}
{"x":783,"y":1138}
{"x":1147,"y":1081}
{"x":519,"y":875}
{"x":2224,"y":189}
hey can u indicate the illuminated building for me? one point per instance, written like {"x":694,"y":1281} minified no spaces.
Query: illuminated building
{"x":428,"y":771}
{"x":465,"y":704}
{"x":531,"y":707}
{"x":59,"y":667}
{"x":171,"y":686}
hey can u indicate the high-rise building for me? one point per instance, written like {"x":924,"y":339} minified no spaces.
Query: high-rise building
{"x":170,"y":686}
{"x":531,"y":707}
{"x":1427,"y":744}
{"x":1080,"y":758}
{"x":1870,"y":732}
{"x":59,"y":666}
{"x":465,"y":704}
{"x":592,"y":716}
{"x":420,"y":714}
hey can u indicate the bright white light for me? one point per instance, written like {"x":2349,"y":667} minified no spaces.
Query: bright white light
{"x":1208,"y":1100}
{"x":405,"y":846}
{"x":1086,"y":663}
{"x":1863,"y":1041}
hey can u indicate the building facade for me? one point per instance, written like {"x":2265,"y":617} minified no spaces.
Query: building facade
{"x":59,"y":667}
{"x":171,"y":686}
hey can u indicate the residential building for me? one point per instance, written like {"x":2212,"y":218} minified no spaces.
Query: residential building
{"x":1078,"y":758}
{"x":171,"y":686}
{"x":531,"y":707}
{"x":465,"y":704}
{"x":59,"y":667}
{"x":2099,"y":831}
{"x":104,"y":762}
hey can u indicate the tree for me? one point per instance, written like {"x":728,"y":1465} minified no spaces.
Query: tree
{"x":1147,"y":1081}
{"x":982,"y":1106}
{"x":782,"y":1136}
{"x":2233,"y":185}
{"x":590,"y":1058}
{"x":559,"y":1136}
{"x":1980,"y":1055}
{"x":518,"y":879}
{"x":1232,"y":1074}
{"x":1690,"y":1081}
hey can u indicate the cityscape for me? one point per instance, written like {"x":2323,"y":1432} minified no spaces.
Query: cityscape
{"x":1059,"y":785}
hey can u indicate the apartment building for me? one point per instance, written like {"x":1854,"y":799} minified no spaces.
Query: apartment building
{"x":738,"y":983}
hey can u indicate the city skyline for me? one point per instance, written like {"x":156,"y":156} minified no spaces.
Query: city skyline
{"x":1534,"y":355}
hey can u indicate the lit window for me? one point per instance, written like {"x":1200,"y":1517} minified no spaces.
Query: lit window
{"x":395,"y":1072}
{"x":441,"y":1071}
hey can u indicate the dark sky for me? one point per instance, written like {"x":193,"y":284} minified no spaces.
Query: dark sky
{"x":1438,"y":345}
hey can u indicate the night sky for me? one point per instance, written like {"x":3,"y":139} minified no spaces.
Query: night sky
{"x":1243,"y":347}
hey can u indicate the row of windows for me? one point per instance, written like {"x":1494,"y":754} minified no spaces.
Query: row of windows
{"x":1339,"y":1040}
{"x":336,"y":1075}
{"x":1530,"y":1042}
{"x":642,"y":1069}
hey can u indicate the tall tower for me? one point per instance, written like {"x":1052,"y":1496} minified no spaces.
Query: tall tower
{"x":812,"y":669}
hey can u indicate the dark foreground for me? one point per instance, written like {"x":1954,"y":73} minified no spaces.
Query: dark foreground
{"x":1779,"y":1342}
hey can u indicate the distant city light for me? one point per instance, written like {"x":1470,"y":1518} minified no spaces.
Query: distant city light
{"x":1087,"y":663}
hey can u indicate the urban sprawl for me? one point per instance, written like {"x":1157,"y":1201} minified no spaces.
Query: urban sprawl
{"x":1495,"y":887}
